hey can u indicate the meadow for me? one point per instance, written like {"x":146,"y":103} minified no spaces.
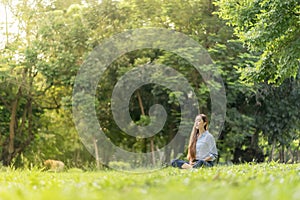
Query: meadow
{"x":247,"y":181}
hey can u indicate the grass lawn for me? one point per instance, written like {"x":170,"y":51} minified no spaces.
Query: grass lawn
{"x":249,"y":181}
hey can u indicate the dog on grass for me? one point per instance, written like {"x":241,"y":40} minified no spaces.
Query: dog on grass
{"x":54,"y":165}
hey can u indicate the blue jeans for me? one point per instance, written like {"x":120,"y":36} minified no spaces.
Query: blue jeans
{"x":198,"y":163}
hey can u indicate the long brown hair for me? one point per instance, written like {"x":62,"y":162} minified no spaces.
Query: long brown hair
{"x":193,"y":138}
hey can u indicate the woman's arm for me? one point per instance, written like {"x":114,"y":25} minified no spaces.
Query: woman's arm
{"x":213,"y":152}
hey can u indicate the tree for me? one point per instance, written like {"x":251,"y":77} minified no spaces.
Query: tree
{"x":18,"y":89}
{"x":30,"y":74}
{"x":268,"y":27}
{"x":38,"y":72}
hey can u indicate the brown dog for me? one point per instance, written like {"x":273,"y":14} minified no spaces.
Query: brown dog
{"x":54,"y":165}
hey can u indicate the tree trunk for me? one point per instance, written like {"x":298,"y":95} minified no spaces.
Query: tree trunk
{"x":26,"y":139}
{"x":271,"y":156}
{"x":151,"y":138}
{"x":281,"y":154}
{"x":298,"y":153}
{"x":12,"y":126}
{"x":291,"y":158}
{"x":96,"y":153}
{"x":254,"y":140}
{"x":152,"y":150}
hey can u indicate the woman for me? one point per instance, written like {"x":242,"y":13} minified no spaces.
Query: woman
{"x":202,"y":150}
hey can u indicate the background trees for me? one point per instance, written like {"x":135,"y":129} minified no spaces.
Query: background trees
{"x":270,"y":28}
{"x":40,"y":61}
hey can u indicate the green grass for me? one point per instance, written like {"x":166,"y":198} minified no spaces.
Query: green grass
{"x":251,"y":181}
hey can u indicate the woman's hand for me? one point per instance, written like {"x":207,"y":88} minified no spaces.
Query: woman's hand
{"x":186,"y":166}
{"x":196,"y":125}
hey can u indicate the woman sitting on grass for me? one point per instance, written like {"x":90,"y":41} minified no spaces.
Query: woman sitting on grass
{"x":202,"y":150}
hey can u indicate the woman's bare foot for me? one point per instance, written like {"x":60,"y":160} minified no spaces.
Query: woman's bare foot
{"x":186,"y":166}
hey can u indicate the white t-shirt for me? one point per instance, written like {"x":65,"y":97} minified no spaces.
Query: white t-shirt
{"x":206,"y":146}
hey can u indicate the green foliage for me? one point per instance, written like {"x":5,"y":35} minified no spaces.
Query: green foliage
{"x":38,"y":68}
{"x":249,"y":181}
{"x":268,"y":27}
{"x":284,"y":119}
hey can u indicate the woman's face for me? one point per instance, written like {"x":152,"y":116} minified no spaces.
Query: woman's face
{"x":199,"y":122}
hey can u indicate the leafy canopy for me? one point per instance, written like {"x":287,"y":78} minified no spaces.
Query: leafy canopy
{"x":270,"y":28}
